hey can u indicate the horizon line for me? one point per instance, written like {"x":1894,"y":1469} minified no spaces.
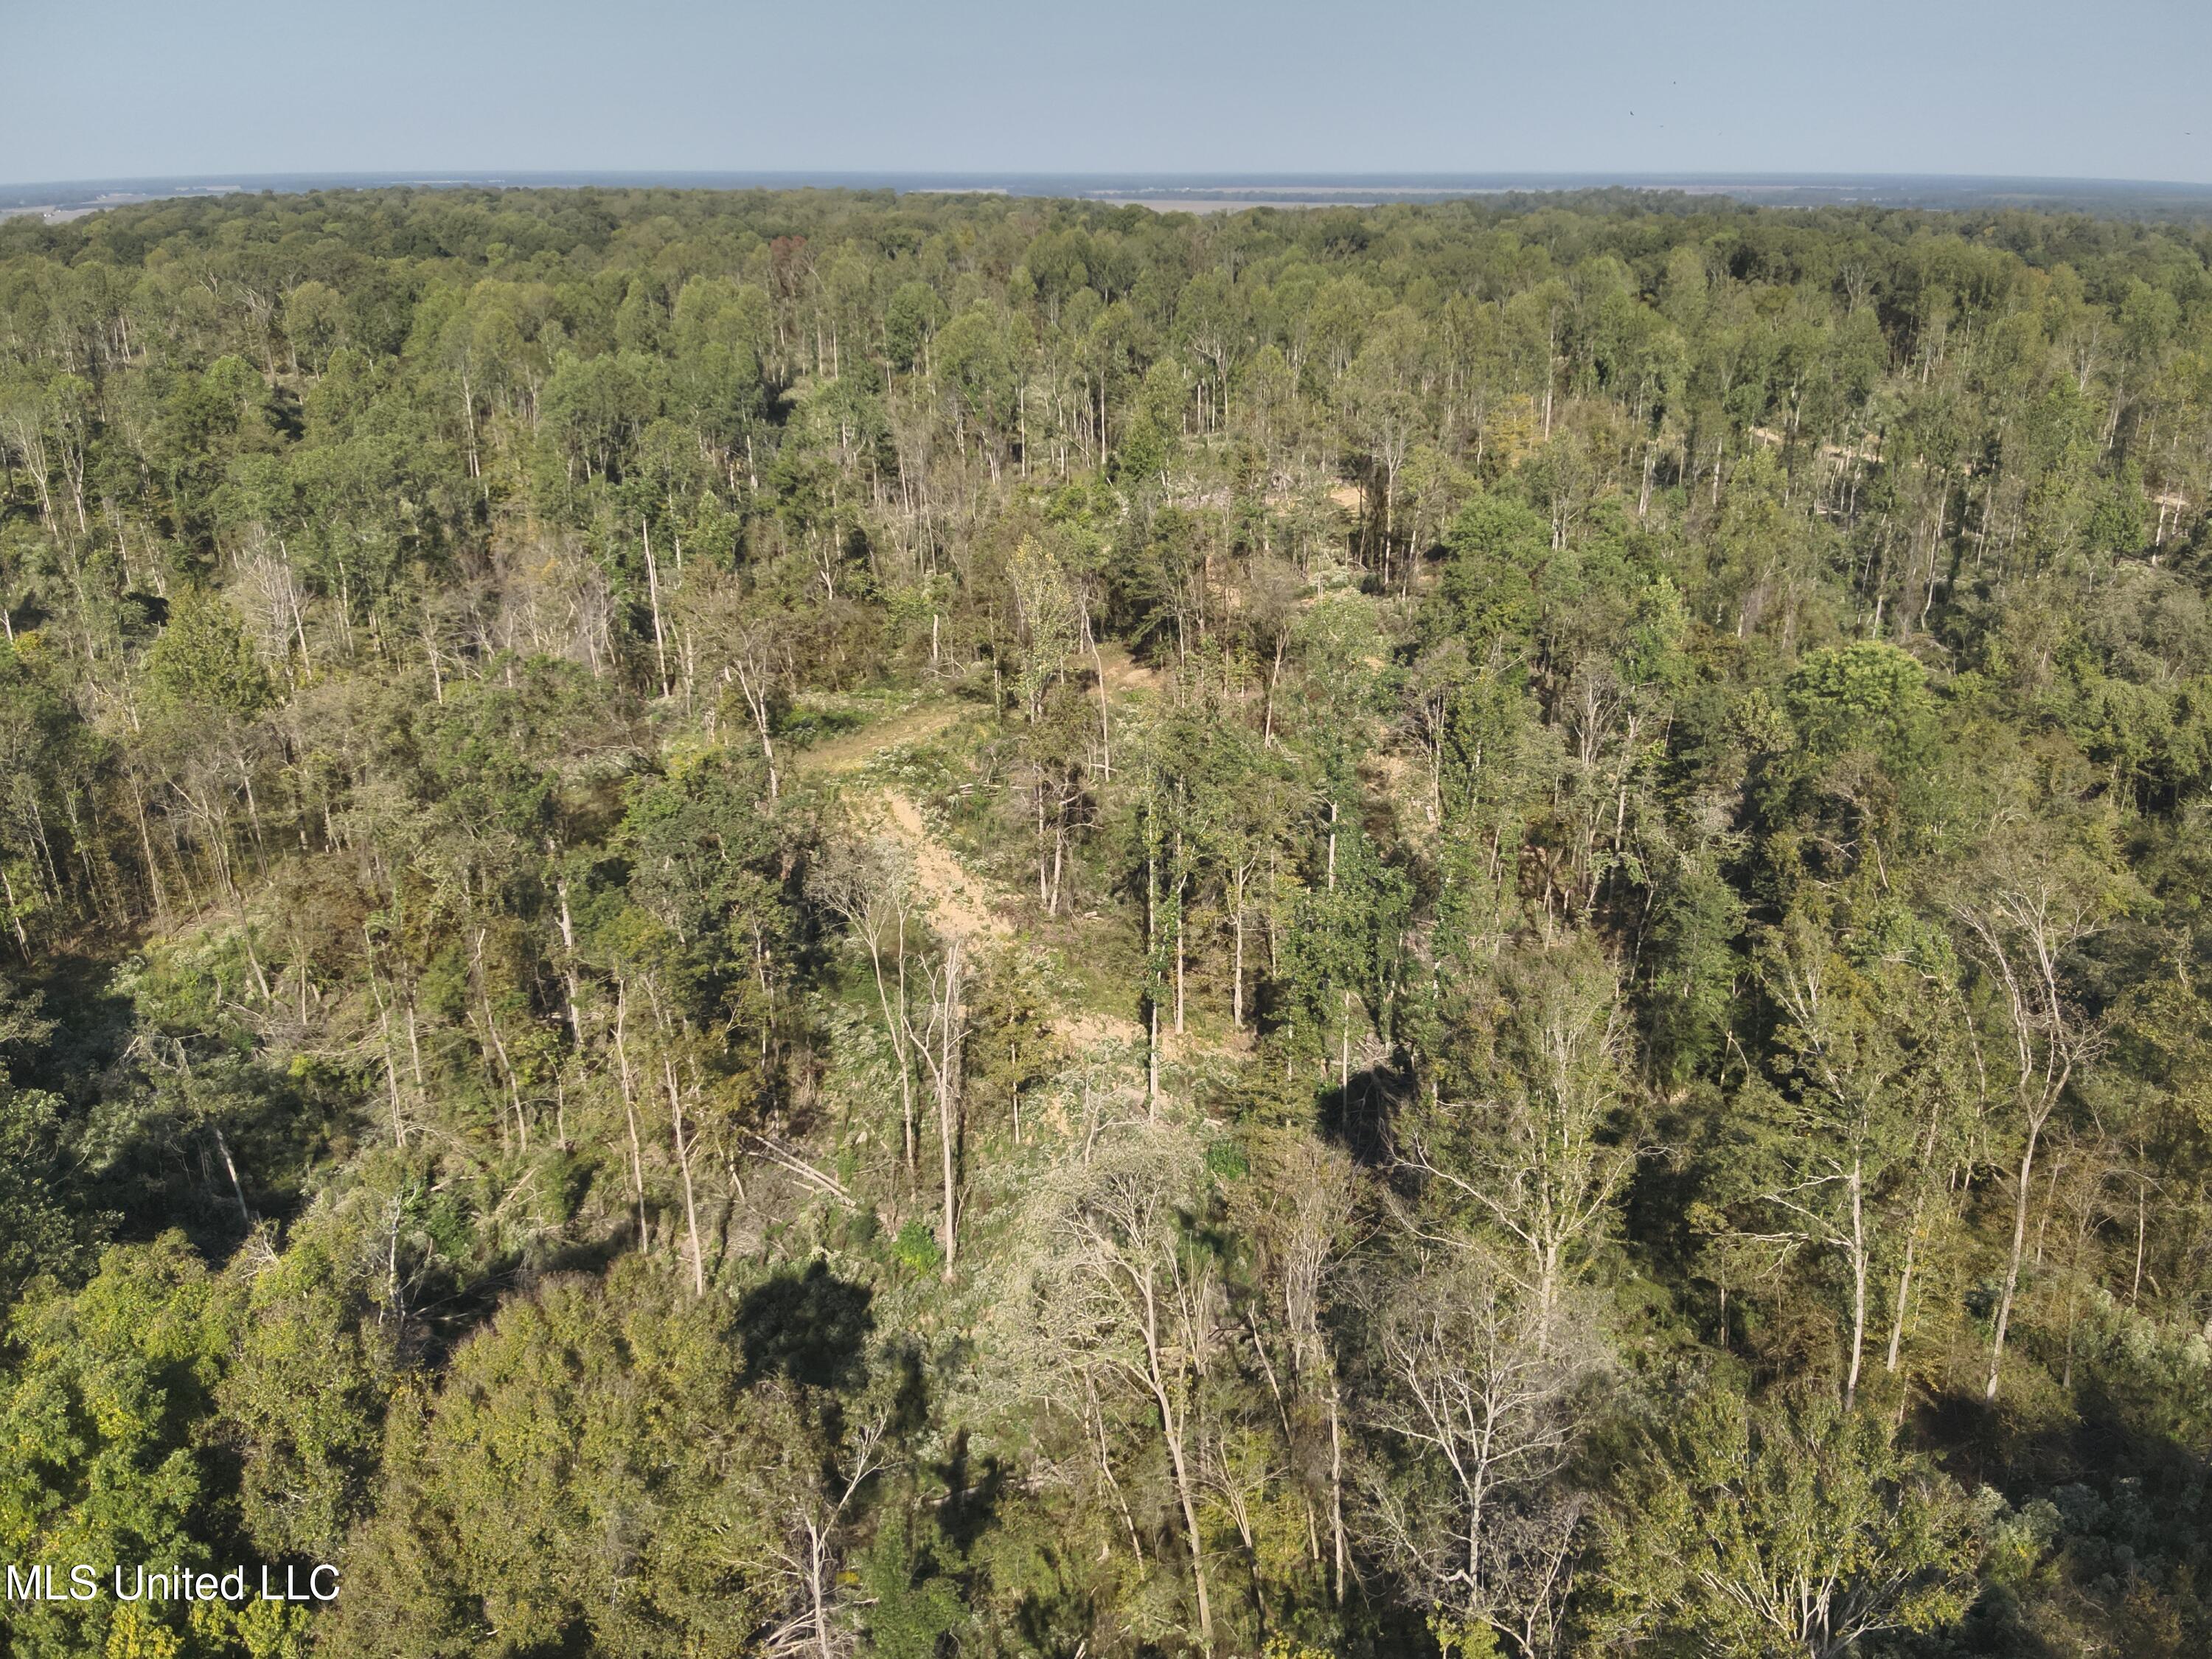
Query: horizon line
{"x":1444,"y":177}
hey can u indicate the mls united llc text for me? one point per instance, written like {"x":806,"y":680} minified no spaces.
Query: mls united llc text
{"x":83,"y":1582}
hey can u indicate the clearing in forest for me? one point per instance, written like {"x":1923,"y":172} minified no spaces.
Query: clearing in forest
{"x":854,"y":750}
{"x":960,"y":904}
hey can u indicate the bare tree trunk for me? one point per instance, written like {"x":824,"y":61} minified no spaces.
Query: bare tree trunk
{"x":384,"y":1020}
{"x":1152,"y":1064}
{"x":630,"y":1110}
{"x":2012,"y":1261}
{"x":1858,"y":1282}
{"x":683,"y":1162}
{"x":1096,"y":1420}
{"x":146,"y":842}
{"x":652,"y":592}
{"x":15,"y":914}
{"x":237,"y":1189}
{"x":1236,"y":960}
{"x":415,"y":1049}
{"x":1336,"y":1487}
{"x":1171,"y":1427}
{"x":948,"y":1100}
{"x":1904,"y":1299}
{"x":2142,"y":1189}
{"x":1105,"y":721}
{"x":1179,"y":958}
{"x":754,"y":688}
{"x":896,"y":1023}
{"x":499,"y":1044}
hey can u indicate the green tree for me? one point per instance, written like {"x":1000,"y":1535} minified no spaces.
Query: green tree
{"x":109,"y":1397}
{"x":204,"y":663}
{"x":557,"y":1489}
{"x":1752,"y":1527}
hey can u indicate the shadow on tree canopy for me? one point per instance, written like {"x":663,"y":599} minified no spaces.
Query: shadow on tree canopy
{"x":972,"y":1495}
{"x":1359,"y":1117}
{"x":810,"y":1328}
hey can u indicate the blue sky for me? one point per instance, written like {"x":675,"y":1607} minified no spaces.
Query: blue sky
{"x":102,"y":88}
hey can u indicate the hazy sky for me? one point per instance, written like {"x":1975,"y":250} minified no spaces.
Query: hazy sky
{"x":101,"y":88}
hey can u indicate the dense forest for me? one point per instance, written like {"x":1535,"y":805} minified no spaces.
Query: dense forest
{"x":822,"y":923}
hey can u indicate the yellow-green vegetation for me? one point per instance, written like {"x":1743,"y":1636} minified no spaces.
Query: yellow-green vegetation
{"x":825,"y":924}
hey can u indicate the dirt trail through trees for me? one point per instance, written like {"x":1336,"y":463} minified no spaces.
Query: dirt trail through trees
{"x":961,"y":904}
{"x":855,"y":749}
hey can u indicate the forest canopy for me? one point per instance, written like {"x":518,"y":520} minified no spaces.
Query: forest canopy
{"x":822,"y":923}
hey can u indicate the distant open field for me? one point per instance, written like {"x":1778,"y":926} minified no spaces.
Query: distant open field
{"x":1208,"y":192}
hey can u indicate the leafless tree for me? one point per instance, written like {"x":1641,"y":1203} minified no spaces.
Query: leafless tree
{"x":938,"y":1040}
{"x":2022,"y":926}
{"x":1536,"y":1160}
{"x":1482,"y":1387}
{"x":1119,"y":1290}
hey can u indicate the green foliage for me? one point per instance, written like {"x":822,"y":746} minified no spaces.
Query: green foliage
{"x":1868,"y":694}
{"x":203,"y":664}
{"x":44,"y":1220}
{"x":306,"y":1393}
{"x":916,"y":1249}
{"x":1754,"y":1529}
{"x":1539,"y":807}
{"x":912,"y":1610}
{"x":557,"y":1488}
{"x":1488,"y":594}
{"x":1225,"y":1160}
{"x":106,"y":1457}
